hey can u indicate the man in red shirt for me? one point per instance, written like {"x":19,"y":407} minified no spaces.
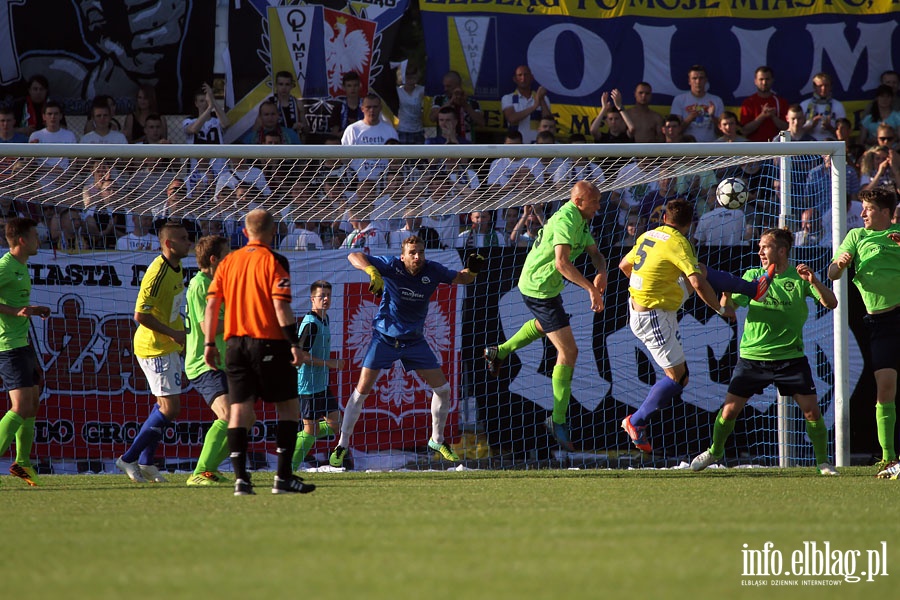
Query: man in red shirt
{"x":764,"y":113}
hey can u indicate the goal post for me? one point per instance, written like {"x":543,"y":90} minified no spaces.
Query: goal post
{"x":94,"y":395}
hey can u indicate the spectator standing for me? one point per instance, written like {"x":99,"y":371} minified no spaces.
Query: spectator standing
{"x":764,"y":113}
{"x":136,"y":120}
{"x":524,"y":108}
{"x":411,"y":96}
{"x":646,"y":122}
{"x":698,"y":109}
{"x":822,"y":110}
{"x":467,"y":109}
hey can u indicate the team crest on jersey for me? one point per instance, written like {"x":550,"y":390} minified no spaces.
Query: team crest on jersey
{"x":426,"y":280}
{"x":789,"y":286}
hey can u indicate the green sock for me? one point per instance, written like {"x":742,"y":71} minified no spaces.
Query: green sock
{"x":562,"y":391}
{"x":305,"y":442}
{"x":9,"y":425}
{"x":885,"y":419}
{"x":24,"y":441}
{"x":215,"y":447}
{"x":325,"y":430}
{"x":524,"y":336}
{"x":722,"y":428}
{"x":818,"y":435}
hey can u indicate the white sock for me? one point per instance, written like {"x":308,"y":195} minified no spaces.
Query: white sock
{"x":351,"y":416}
{"x":440,"y":406}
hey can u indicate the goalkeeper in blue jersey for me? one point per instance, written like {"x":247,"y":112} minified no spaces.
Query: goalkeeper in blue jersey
{"x":405,"y":284}
{"x":772,"y":348}
{"x":662,"y":269}
{"x":316,"y":400}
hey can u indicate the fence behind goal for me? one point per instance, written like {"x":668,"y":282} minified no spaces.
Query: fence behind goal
{"x":89,"y":200}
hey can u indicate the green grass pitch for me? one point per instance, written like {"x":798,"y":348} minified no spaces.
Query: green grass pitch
{"x":432,"y":536}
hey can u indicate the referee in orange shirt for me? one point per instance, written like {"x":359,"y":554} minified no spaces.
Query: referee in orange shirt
{"x":261,"y":348}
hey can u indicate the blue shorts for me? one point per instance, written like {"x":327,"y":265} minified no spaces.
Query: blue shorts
{"x":884,"y":335}
{"x":211,"y":384}
{"x":313,"y":406}
{"x":791,"y":376}
{"x":414,"y":354}
{"x":549,"y":312}
{"x":19,"y":368}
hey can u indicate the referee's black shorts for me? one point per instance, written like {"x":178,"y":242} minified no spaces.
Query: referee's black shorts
{"x":259,"y":370}
{"x":791,"y":376}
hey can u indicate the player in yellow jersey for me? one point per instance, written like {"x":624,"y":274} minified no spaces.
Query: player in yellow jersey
{"x":158,"y":342}
{"x":663,"y":270}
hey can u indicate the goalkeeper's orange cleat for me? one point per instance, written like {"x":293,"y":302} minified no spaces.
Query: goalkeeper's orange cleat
{"x":26,"y":474}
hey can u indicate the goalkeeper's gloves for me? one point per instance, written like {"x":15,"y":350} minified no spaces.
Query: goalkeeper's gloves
{"x":474,"y":263}
{"x":376,"y":283}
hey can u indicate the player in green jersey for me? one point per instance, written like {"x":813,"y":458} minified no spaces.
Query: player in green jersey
{"x":19,"y":367}
{"x":874,"y":252}
{"x":549,"y":264}
{"x":211,"y":383}
{"x":771,"y":350}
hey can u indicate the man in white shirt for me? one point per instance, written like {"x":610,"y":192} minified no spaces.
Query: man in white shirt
{"x":141,"y":236}
{"x":371,"y":131}
{"x":53,"y":133}
{"x":699,"y":111}
{"x":102,"y":132}
{"x":721,"y":227}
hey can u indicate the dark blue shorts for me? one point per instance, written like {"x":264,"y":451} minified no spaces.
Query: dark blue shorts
{"x":884,"y":339}
{"x":414,"y":354}
{"x":549,"y":312}
{"x":314,"y":406}
{"x":792,"y":376}
{"x":19,"y":368}
{"x":211,"y":385}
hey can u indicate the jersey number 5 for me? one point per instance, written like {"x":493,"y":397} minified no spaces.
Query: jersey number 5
{"x":642,"y":253}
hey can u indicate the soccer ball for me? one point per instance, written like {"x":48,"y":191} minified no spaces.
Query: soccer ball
{"x":732,"y":193}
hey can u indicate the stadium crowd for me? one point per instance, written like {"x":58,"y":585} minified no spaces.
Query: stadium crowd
{"x":82,"y":205}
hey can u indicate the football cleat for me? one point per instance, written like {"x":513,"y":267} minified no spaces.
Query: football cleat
{"x":292,"y":485}
{"x":494,"y":362}
{"x":560,"y":433}
{"x":889,"y":470}
{"x":337,"y":457}
{"x":151,"y":473}
{"x":130,"y":469}
{"x":206,"y":478}
{"x":638,"y":435}
{"x":26,"y":474}
{"x":703,"y":460}
{"x":827,"y":469}
{"x":243,"y":488}
{"x":444,"y":449}
{"x":763,"y":282}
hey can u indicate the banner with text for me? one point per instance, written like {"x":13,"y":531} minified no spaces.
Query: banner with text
{"x":578,"y":49}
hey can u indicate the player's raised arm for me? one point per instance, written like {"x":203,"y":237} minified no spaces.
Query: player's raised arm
{"x":361,"y":262}
{"x":474,"y":265}
{"x":826,"y":296}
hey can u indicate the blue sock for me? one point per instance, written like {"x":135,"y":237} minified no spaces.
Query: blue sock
{"x":722,"y":281}
{"x":144,"y":445}
{"x":661,"y":395}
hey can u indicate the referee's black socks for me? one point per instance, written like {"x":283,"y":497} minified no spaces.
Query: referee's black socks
{"x":237,"y":445}
{"x":286,"y":438}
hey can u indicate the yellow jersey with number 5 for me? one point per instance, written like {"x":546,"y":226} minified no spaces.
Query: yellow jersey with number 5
{"x":662,"y":258}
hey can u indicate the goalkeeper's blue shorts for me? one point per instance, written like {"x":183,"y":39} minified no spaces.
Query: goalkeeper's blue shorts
{"x":414,"y":354}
